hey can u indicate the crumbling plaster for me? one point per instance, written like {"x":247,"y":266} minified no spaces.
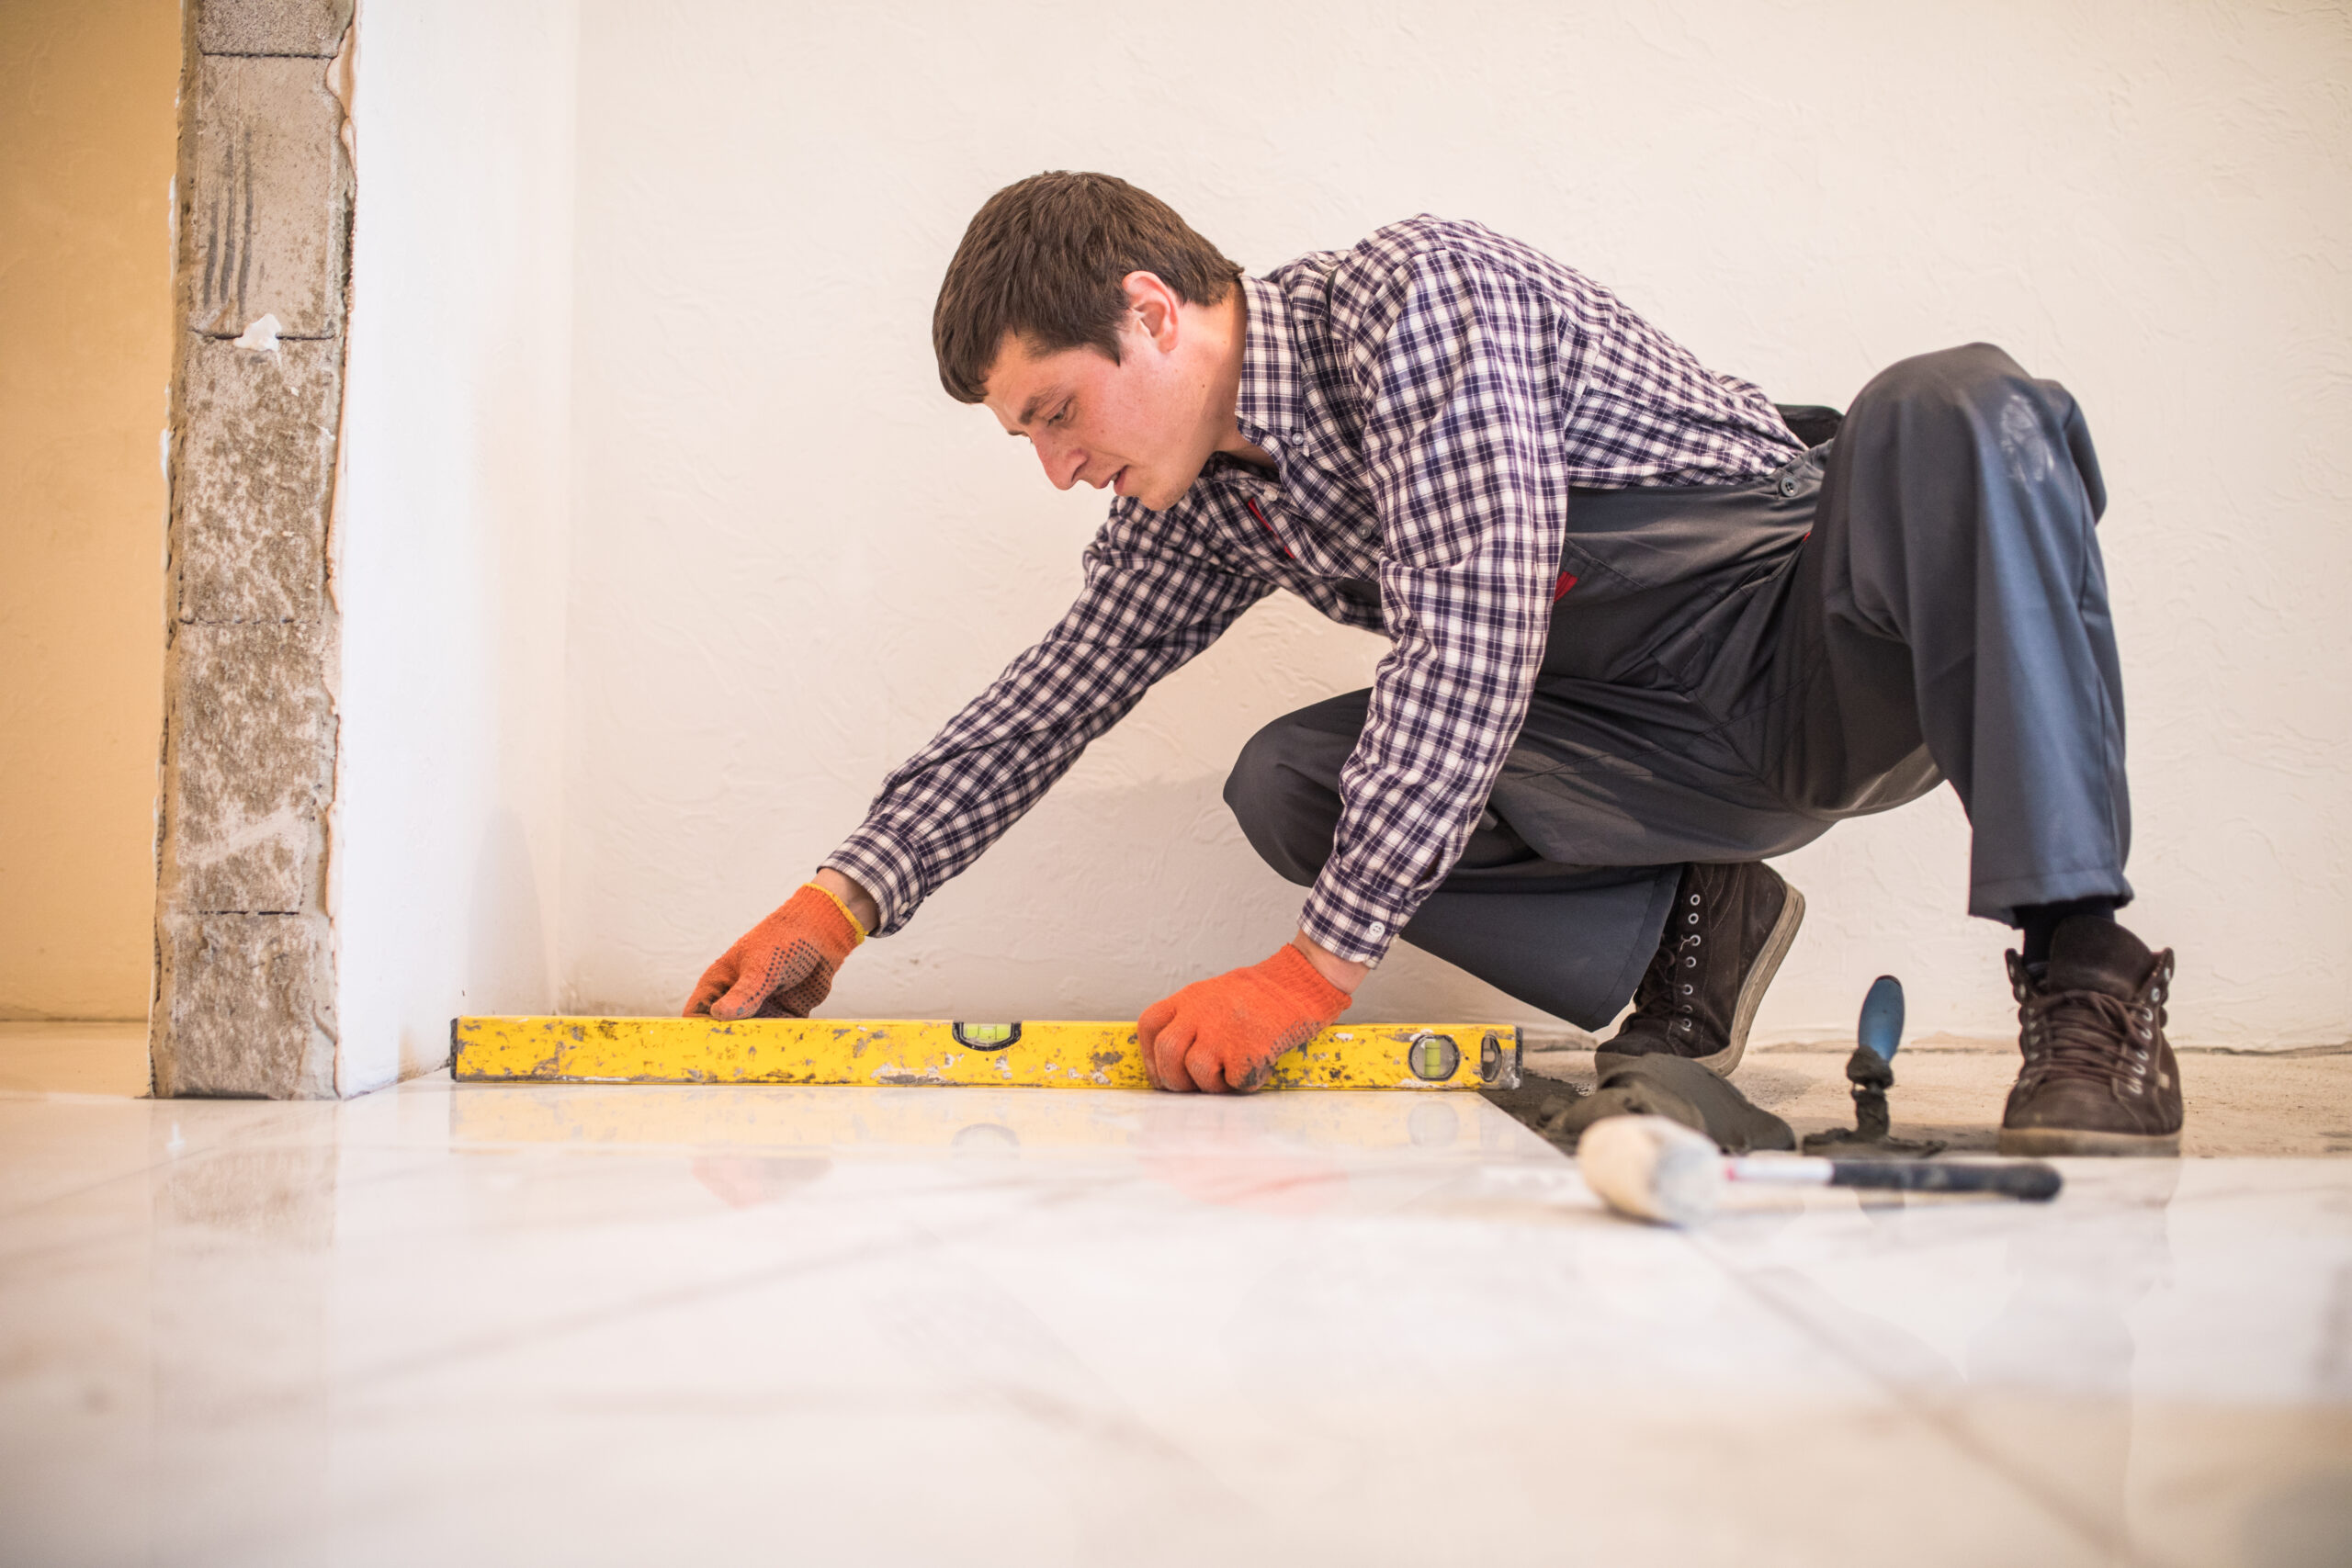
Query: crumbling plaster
{"x":363,"y":747}
{"x":245,"y":970}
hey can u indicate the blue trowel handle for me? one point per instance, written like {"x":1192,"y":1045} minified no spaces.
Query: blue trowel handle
{"x":1880,"y":1030}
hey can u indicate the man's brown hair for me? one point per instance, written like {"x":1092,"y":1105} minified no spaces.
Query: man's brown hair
{"x":1046,"y":258}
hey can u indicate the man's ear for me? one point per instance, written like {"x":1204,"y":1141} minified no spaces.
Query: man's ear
{"x":1154,"y":309}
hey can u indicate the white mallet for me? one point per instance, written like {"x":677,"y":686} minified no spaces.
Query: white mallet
{"x":1654,"y":1169}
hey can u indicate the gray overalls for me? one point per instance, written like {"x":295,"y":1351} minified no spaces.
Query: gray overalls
{"x":1738,"y":667}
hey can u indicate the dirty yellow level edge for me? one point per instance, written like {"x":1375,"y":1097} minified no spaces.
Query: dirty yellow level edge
{"x":921,"y":1050}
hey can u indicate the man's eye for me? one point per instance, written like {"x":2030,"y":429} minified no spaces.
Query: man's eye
{"x":1061,"y":416}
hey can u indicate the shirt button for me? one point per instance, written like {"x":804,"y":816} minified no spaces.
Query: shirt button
{"x":1375,"y":930}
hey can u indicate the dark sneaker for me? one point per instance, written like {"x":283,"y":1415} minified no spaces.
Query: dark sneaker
{"x":2099,"y":1077}
{"x":1731,"y":927}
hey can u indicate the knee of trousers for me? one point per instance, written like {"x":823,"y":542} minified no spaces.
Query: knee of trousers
{"x":1285,"y":813}
{"x":1974,"y":379}
{"x":1975,"y":407}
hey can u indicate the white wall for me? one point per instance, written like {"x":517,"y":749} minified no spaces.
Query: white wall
{"x":451,"y":525}
{"x":794,"y":555}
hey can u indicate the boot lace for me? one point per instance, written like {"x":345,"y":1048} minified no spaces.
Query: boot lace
{"x":2090,"y":1035}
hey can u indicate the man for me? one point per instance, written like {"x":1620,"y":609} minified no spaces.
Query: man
{"x":1643,"y":637}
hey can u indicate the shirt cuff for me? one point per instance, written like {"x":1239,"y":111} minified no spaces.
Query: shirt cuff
{"x":886,"y":869}
{"x":1348,"y":922}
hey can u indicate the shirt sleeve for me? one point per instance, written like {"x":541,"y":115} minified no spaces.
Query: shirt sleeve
{"x":1458,"y":375}
{"x":1152,"y":600}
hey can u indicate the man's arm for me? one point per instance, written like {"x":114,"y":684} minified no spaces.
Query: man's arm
{"x":1152,"y":600}
{"x":1459,"y":367}
{"x":1456,"y":370}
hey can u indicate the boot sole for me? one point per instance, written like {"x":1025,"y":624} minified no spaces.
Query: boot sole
{"x":2043,"y":1143}
{"x":1759,"y":981}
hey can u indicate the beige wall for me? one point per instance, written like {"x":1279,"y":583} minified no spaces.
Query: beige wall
{"x":87,"y":119}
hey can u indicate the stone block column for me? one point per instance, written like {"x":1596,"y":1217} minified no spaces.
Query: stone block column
{"x":245,"y":956}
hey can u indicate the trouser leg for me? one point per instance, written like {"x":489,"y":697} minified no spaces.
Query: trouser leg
{"x":1952,"y":605}
{"x":1570,"y":939}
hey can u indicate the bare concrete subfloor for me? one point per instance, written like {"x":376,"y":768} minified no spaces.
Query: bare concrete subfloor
{"x":2294,"y":1103}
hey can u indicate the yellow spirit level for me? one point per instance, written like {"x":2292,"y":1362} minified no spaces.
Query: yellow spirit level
{"x":877,"y":1051}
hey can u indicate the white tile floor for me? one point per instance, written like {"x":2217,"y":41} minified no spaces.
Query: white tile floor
{"x":652,"y":1325}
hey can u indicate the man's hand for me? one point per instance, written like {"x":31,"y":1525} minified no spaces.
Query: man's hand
{"x":1225,"y":1033}
{"x":783,"y":966}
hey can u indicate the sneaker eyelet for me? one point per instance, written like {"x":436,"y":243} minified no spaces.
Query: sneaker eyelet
{"x":1691,"y":964}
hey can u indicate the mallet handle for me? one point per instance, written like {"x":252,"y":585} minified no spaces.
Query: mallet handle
{"x":2027,"y":1178}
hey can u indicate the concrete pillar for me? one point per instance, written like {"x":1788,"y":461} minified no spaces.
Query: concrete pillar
{"x":245,"y":958}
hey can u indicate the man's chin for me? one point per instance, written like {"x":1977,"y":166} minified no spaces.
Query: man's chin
{"x":1159,"y":495}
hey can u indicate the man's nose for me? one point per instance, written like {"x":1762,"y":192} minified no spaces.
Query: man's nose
{"x":1063,"y":462}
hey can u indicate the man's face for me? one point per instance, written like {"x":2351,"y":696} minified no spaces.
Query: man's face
{"x":1136,"y":427}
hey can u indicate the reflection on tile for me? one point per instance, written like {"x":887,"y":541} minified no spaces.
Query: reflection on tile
{"x":923,"y":1122}
{"x":591,"y":1323}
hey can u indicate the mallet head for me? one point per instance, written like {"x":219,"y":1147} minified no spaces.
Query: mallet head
{"x":1652,"y":1168}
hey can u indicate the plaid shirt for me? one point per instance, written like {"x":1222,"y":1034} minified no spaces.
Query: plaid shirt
{"x":1430,"y":398}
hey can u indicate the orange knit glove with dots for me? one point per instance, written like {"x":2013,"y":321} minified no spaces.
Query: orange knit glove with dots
{"x":1224,"y":1032}
{"x":783,"y":966}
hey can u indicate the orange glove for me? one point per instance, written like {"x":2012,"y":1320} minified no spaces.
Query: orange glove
{"x":1225,"y":1033}
{"x":783,"y":966}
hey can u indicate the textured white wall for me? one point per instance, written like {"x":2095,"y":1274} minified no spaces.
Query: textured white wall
{"x":794,"y":557}
{"x":450,"y":527}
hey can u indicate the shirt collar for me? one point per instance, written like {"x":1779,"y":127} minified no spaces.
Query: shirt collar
{"x":1267,"y":408}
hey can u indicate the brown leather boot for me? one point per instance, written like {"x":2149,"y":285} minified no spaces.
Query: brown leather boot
{"x":2099,"y":1078}
{"x":1731,"y":927}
